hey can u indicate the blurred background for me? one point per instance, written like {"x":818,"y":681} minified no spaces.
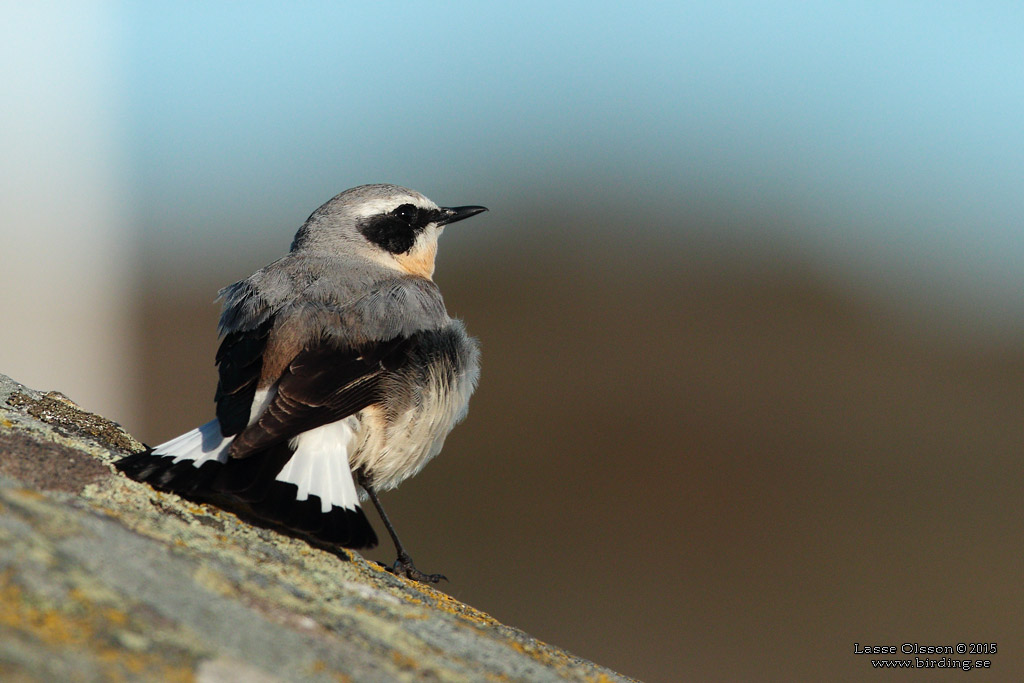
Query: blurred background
{"x":749,"y":292}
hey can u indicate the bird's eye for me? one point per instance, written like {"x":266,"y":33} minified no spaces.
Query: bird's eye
{"x":406,"y":212}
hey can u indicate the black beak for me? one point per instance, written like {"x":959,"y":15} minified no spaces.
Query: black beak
{"x":459,"y":213}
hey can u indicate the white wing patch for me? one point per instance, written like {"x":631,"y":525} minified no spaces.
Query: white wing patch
{"x":320,"y":466}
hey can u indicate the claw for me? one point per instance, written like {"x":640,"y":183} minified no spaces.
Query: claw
{"x":404,"y":567}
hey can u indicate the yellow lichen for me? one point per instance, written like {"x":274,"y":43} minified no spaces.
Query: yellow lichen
{"x":84,"y":628}
{"x":404,"y":661}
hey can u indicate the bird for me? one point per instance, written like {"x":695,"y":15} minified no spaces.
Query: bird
{"x":340,"y":373}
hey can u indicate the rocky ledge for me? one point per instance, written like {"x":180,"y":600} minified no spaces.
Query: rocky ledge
{"x":103,"y":578}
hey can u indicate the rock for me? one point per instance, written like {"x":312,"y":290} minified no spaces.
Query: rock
{"x":103,"y":578}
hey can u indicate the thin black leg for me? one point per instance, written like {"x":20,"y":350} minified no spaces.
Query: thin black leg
{"x":403,"y":565}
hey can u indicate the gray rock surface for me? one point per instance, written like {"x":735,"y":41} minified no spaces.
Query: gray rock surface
{"x":103,"y":578}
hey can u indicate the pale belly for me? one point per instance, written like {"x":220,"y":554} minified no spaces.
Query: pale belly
{"x":390,"y":450}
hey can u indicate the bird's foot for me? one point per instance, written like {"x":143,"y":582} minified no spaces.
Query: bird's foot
{"x":404,"y":567}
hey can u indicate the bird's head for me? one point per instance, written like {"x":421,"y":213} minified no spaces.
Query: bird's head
{"x":389,"y":224}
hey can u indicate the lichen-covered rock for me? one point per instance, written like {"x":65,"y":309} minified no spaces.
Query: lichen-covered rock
{"x":103,"y":578}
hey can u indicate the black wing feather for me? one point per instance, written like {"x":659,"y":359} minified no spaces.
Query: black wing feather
{"x":239,"y":362}
{"x":323,"y":384}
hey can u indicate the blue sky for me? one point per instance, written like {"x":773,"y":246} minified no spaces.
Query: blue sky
{"x":890,"y":131}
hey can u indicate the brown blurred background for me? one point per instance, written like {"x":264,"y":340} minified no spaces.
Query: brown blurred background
{"x":749,"y":291}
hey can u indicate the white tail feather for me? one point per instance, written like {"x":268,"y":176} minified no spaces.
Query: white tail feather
{"x":206,"y":443}
{"x":200,"y":445}
{"x":320,"y":466}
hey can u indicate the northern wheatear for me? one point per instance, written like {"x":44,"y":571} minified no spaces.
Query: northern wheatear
{"x":339,"y":369}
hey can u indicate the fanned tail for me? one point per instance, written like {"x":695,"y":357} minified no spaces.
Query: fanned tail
{"x":307,"y":489}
